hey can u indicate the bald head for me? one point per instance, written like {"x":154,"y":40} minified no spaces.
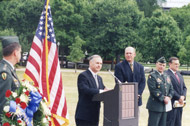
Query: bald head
{"x":130,"y":54}
{"x":130,"y":48}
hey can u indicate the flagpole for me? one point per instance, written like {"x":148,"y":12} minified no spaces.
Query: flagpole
{"x":46,"y":48}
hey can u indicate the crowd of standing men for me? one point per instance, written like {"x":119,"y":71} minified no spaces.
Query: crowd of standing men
{"x":167,"y":90}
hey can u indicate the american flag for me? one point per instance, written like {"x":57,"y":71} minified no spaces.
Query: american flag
{"x":43,"y":68}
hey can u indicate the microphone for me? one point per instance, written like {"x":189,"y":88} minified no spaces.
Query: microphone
{"x":114,"y":76}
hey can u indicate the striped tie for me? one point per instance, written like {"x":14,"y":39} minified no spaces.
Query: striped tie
{"x":177,"y":78}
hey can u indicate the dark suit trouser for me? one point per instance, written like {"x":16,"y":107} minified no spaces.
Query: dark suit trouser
{"x":85,"y":123}
{"x":157,"y":118}
{"x":174,"y":117}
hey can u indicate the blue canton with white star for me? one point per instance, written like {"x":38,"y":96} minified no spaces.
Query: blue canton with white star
{"x":40,"y":32}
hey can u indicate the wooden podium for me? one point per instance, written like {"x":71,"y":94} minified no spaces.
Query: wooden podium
{"x":120,"y":105}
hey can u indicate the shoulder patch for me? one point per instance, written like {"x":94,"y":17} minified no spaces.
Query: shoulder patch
{"x":4,"y":75}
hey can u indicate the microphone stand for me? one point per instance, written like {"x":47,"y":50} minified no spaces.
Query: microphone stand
{"x":114,"y":76}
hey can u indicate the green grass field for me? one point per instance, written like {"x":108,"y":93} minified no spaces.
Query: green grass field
{"x":70,"y":87}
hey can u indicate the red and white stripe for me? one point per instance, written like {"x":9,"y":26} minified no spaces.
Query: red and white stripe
{"x":36,"y":71}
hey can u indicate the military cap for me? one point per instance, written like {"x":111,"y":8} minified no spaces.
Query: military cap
{"x":161,"y":60}
{"x":7,"y":40}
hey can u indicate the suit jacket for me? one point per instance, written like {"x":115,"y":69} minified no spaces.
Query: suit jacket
{"x":179,"y":89}
{"x":123,"y":73}
{"x":86,"y":108}
{"x":159,"y":87}
{"x":8,"y":81}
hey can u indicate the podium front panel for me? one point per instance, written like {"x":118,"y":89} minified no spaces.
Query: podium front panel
{"x":120,"y":105}
{"x":128,"y":102}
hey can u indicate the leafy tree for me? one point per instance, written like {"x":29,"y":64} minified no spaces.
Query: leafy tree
{"x":76,"y":53}
{"x":148,"y":6}
{"x":4,"y":0}
{"x":114,"y":26}
{"x":161,"y":36}
{"x":22,"y":16}
{"x":2,"y":14}
{"x":70,"y":19}
{"x":6,"y":32}
{"x":184,"y":53}
{"x":138,"y":57}
{"x":182,"y":17}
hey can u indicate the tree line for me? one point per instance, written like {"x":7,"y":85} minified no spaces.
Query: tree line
{"x":103,"y":27}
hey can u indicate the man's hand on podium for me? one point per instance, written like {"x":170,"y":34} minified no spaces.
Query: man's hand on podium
{"x":105,"y":89}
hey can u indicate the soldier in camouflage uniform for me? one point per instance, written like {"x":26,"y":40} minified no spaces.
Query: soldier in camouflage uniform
{"x":161,"y":92}
{"x":8,"y":77}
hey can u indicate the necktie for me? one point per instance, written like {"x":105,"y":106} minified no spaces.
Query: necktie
{"x":177,"y":78}
{"x":96,"y":79}
{"x":131,"y":65}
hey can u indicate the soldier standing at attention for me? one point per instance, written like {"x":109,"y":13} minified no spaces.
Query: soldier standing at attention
{"x":8,"y":77}
{"x":161,"y":92}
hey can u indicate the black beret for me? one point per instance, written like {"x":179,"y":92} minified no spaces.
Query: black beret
{"x":7,"y":40}
{"x":161,"y":60}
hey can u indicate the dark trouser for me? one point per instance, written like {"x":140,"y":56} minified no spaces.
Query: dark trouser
{"x":157,"y":118}
{"x":174,"y":117}
{"x":85,"y":123}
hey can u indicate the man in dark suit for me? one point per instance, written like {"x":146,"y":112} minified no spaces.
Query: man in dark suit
{"x":8,"y":77}
{"x":161,"y":92}
{"x":131,"y":71}
{"x":89,"y":84}
{"x":174,"y":117}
